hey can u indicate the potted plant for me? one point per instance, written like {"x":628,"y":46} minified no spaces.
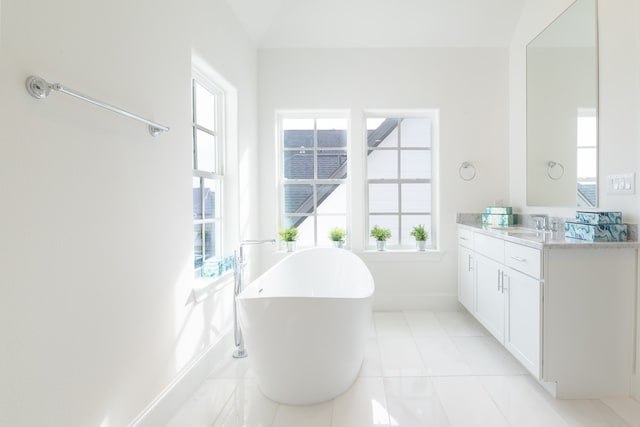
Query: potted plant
{"x":337,"y":236}
{"x":421,"y":236}
{"x":381,"y":235}
{"x":289,"y":235}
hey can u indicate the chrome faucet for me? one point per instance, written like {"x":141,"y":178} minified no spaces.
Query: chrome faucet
{"x":238,"y":276}
{"x":542,"y":222}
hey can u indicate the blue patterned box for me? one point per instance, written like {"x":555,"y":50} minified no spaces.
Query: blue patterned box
{"x":596,"y":232}
{"x":504,"y":210}
{"x":498,"y":219}
{"x":599,"y":217}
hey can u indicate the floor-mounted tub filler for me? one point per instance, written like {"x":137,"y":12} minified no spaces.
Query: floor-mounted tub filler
{"x":306,"y":322}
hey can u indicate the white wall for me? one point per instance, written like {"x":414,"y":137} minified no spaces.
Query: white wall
{"x":619,"y":103}
{"x":96,"y":214}
{"x":468,"y":86}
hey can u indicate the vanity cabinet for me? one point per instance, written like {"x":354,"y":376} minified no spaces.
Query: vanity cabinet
{"x":466,"y":270}
{"x":508,"y":293}
{"x":523,"y":312}
{"x":564,"y":309}
{"x":490,"y":301}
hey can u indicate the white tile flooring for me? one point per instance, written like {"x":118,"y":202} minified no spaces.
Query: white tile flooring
{"x":421,"y":369}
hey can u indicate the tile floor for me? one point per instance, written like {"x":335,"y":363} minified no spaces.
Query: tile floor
{"x":421,"y":369}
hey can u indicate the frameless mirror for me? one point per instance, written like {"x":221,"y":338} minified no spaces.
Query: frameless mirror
{"x":562,"y":110}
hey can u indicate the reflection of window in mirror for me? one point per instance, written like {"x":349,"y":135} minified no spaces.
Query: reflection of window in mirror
{"x":587,"y":157}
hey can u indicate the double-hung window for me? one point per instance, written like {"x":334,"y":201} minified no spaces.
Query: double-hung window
{"x":208,"y":153}
{"x":399,"y":164}
{"x":313,"y":174}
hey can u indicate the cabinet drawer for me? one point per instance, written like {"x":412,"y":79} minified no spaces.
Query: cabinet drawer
{"x":465,"y":238}
{"x":522,"y":258}
{"x":489,"y":247}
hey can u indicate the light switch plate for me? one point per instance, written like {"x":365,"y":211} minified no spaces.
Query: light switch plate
{"x":623,"y":183}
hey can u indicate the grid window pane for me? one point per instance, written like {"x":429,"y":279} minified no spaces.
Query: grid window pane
{"x":197,"y":245}
{"x":197,"y":198}
{"x":211,"y":198}
{"x":383,"y":198}
{"x":298,"y":164}
{"x":382,"y":132}
{"x":326,"y":223}
{"x":410,"y":221}
{"x":416,"y":132}
{"x":385,"y":221}
{"x":209,"y":240}
{"x":382,"y":164}
{"x":332,"y":164}
{"x":332,"y":132}
{"x":305,"y":226}
{"x":587,"y":163}
{"x":416,"y":198}
{"x":332,"y":198}
{"x":298,"y":198}
{"x":415,"y":164}
{"x":205,"y":107}
{"x":206,"y":151}
{"x":298,"y":133}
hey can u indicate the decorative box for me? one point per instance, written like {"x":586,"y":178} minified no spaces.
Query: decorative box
{"x":596,"y":232}
{"x":599,"y":217}
{"x":503,"y":210}
{"x":501,"y":220}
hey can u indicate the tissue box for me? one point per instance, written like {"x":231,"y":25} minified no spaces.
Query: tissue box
{"x":596,"y":232}
{"x":502,"y":210}
{"x":501,"y":220}
{"x":599,"y":217}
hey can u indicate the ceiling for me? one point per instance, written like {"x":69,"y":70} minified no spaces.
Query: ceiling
{"x":378,"y":23}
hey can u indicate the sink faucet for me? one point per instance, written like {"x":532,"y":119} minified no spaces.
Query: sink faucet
{"x":542,"y":222}
{"x":238,"y":275}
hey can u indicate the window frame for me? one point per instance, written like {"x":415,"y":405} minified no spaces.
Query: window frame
{"x":314,"y":182}
{"x":217,"y":175}
{"x":433,"y":115}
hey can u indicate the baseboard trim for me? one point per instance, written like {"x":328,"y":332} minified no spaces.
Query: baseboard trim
{"x":396,"y":302}
{"x":160,"y":410}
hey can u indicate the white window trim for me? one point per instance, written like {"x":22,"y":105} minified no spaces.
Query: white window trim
{"x":433,"y":251}
{"x":281,"y":181}
{"x":221,"y":136}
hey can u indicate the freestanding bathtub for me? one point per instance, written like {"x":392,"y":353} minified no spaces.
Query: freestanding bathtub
{"x":306,"y":322}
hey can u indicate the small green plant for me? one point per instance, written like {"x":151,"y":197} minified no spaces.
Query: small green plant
{"x":380,"y":234}
{"x":289,"y":234}
{"x":419,"y":233}
{"x":337,"y":234}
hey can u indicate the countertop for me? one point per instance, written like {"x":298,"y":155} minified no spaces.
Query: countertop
{"x":542,"y":240}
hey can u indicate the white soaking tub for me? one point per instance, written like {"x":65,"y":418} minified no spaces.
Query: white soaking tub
{"x":306,"y":322}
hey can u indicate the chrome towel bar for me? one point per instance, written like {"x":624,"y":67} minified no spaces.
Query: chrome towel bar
{"x":39,"y":88}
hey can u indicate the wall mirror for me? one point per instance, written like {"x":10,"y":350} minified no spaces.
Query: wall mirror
{"x":562,"y":110}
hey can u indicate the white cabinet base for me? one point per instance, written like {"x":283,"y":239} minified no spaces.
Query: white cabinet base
{"x":589,"y":305}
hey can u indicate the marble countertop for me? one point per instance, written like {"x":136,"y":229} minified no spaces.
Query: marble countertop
{"x":541,"y":240}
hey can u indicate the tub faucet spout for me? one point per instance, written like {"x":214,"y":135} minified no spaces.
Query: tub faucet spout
{"x":238,"y":275}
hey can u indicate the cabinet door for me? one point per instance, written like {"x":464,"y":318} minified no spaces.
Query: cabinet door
{"x":522,"y":337}
{"x":466,"y":285}
{"x":490,"y":299}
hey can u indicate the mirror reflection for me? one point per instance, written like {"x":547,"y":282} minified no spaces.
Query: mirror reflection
{"x":562,"y":110}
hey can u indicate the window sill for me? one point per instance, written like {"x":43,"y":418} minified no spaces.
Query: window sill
{"x":204,"y":287}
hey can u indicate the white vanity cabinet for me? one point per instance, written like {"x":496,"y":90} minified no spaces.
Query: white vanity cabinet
{"x":490,"y":301}
{"x":564,"y":309}
{"x":523,"y":314}
{"x":508,"y":294}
